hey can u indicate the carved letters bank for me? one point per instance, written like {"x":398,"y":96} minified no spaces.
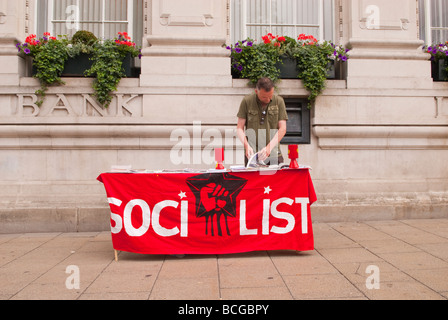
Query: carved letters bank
{"x":71,"y":106}
{"x":378,"y":136}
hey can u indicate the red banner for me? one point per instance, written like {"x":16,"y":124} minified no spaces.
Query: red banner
{"x":210,"y":213}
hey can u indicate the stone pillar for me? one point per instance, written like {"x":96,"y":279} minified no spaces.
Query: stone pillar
{"x":184,"y":44}
{"x":376,"y":132}
{"x":12,"y":29}
{"x":386,"y":47}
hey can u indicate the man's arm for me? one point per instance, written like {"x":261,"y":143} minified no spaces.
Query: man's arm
{"x":242,"y":136}
{"x":266,"y":152}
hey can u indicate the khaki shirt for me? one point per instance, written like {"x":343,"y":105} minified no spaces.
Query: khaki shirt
{"x":259,"y":135}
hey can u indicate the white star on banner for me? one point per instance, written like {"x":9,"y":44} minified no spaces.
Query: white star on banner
{"x":182,"y":195}
{"x":267,"y":190}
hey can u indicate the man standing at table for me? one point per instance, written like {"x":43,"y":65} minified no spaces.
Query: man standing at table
{"x":263,"y":115}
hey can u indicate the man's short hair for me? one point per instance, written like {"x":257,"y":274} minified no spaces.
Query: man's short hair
{"x":265,"y":83}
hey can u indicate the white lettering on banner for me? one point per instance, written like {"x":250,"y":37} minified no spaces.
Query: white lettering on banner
{"x":265,"y":220}
{"x":282,"y":215}
{"x":243,"y":229}
{"x":146,"y":218}
{"x":154,"y":219}
{"x":184,"y":219}
{"x":304,"y":207}
{"x":115,"y":217}
{"x":127,"y":217}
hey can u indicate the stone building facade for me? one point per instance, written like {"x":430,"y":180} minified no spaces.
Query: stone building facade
{"x":379,"y":135}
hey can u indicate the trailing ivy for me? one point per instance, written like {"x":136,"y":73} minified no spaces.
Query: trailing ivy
{"x":108,"y":70}
{"x":50,"y":55}
{"x":49,"y":63}
{"x":312,"y":63}
{"x":253,"y":61}
{"x":108,"y":65}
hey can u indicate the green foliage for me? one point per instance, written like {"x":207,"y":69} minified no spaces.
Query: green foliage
{"x":107,"y":69}
{"x":49,"y":63}
{"x":438,"y":52}
{"x":81,"y":42}
{"x":50,"y":55}
{"x":85,"y":37}
{"x":312,"y":63}
{"x":253,"y":61}
{"x":108,"y":65}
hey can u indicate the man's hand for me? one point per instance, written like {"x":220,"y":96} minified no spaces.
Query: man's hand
{"x":242,"y":136}
{"x":264,"y":153}
{"x":249,"y":152}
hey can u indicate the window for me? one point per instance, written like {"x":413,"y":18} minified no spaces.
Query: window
{"x":298,"y":124}
{"x":105,"y":18}
{"x":433,"y":16}
{"x":255,"y":18}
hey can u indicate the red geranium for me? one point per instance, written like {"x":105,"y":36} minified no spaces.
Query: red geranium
{"x":31,"y":40}
{"x":124,"y":39}
{"x":275,"y":40}
{"x":307,"y":39}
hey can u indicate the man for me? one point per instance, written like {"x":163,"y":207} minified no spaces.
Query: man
{"x":264,"y":116}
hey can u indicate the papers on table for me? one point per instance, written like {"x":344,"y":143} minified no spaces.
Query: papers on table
{"x":235,"y":168}
{"x":117,"y":168}
{"x":254,"y":162}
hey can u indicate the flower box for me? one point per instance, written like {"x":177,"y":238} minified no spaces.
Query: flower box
{"x":76,"y":66}
{"x":439,"y":60}
{"x":129,"y":66}
{"x":289,"y":70}
{"x":52,"y":56}
{"x":438,"y":70}
{"x":331,"y":70}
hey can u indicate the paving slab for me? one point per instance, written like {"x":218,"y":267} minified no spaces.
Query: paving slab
{"x":322,"y":286}
{"x":372,"y":260}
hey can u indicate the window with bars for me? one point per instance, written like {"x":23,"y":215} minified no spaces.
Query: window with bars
{"x":433,"y":16}
{"x":299,"y":122}
{"x":255,"y":18}
{"x":105,"y":18}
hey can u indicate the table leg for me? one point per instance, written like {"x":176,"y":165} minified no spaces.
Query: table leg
{"x":116,"y":255}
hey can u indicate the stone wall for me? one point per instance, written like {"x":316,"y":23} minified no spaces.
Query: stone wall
{"x":379,"y":137}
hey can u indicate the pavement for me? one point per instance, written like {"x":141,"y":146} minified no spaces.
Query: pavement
{"x":370,"y":260}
